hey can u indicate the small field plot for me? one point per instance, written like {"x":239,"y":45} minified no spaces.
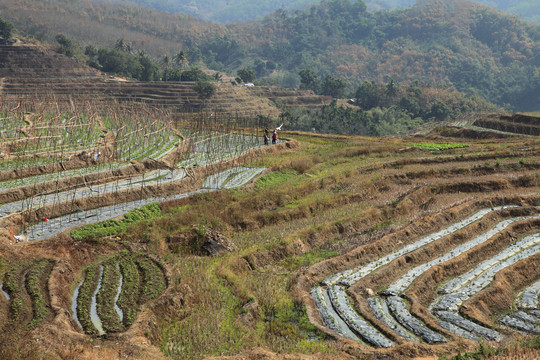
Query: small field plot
{"x":111,"y":293}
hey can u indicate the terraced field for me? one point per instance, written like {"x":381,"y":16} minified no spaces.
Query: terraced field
{"x":391,"y":306}
{"x":93,"y":180}
{"x":110,"y":295}
{"x":36,"y":72}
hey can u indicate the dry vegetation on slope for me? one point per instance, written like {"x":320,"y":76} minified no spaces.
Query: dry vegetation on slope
{"x":326,"y":197}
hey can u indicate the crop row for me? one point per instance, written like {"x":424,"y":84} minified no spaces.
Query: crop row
{"x":57,"y":134}
{"x":84,"y":300}
{"x":10,"y":126}
{"x":106,"y":295}
{"x":36,"y":280}
{"x":14,"y":183}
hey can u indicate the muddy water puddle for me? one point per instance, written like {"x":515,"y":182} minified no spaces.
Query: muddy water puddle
{"x":4,"y":292}
{"x":74,"y":304}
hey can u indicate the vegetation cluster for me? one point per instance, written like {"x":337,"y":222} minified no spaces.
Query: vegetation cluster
{"x":387,"y":109}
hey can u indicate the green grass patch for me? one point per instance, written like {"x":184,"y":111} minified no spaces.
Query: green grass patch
{"x":438,"y":147}
{"x":308,"y":259}
{"x":113,"y":227}
{"x":274,"y":179}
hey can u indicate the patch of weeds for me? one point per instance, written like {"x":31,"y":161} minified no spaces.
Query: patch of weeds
{"x":274,"y":178}
{"x":483,"y":351}
{"x":114,"y":227}
{"x":308,"y":259}
{"x":381,"y":225}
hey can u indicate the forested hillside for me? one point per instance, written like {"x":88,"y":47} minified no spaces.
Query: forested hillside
{"x":242,"y":10}
{"x":436,"y":43}
{"x":457,"y":43}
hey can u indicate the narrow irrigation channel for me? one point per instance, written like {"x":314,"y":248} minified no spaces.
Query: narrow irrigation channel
{"x":6,"y":295}
{"x":118,"y":291}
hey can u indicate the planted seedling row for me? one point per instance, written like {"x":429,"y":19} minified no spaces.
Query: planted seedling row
{"x":36,"y":281}
{"x":106,"y":297}
{"x":395,"y":308}
{"x":350,"y":278}
{"x":366,"y":330}
{"x":400,"y":311}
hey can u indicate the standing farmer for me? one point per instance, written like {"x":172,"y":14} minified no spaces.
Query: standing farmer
{"x":274,"y":137}
{"x":266,"y":135}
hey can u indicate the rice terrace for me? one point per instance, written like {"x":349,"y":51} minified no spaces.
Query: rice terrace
{"x":136,"y":228}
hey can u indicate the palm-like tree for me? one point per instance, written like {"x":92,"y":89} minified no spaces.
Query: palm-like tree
{"x":166,"y":61}
{"x":181,"y":59}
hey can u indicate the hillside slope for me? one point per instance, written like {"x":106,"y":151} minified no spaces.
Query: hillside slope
{"x":454,"y":43}
{"x":103,"y":23}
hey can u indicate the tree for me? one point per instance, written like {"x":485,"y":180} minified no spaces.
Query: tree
{"x":334,"y":87}
{"x":260,"y":67}
{"x":149,"y":70}
{"x":124,"y":45}
{"x":194,"y":74}
{"x":6,"y":29}
{"x":65,"y":45}
{"x":194,"y":55}
{"x":368,"y":95}
{"x":391,"y":89}
{"x":90,"y":51}
{"x":309,"y":80}
{"x":205,"y":89}
{"x":165,"y":61}
{"x":246,"y":74}
{"x":411,"y":105}
{"x":439,"y":110}
{"x":181,"y":59}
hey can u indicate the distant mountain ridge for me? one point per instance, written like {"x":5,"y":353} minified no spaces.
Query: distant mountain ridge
{"x":243,"y":10}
